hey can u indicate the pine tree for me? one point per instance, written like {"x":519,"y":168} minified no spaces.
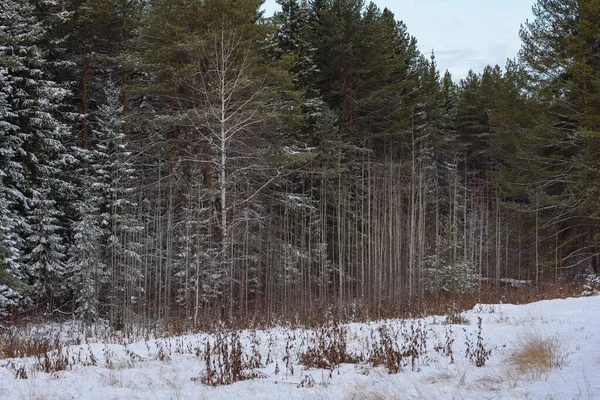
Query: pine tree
{"x":473,"y":128}
{"x":294,"y":58}
{"x":560,"y":54}
{"x":193,"y":57}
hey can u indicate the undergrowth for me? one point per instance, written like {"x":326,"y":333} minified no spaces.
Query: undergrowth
{"x":441,"y":303}
{"x":226,"y":362}
{"x":14,"y":345}
{"x":327,"y":348}
{"x":477,"y":352}
{"x":397,"y":349}
{"x":393,"y":347}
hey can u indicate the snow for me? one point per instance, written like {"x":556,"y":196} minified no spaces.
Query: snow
{"x":168,"y":368}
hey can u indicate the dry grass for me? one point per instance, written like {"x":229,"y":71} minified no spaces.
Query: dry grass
{"x":440,"y":376}
{"x":441,"y":303}
{"x":490,"y":383}
{"x":537,"y":355}
{"x":17,"y":346}
{"x":367,"y":394}
{"x":389,"y":391}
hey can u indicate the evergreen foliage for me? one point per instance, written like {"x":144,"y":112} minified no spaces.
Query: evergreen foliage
{"x":33,"y":138}
{"x":185,"y":160}
{"x":560,"y":54}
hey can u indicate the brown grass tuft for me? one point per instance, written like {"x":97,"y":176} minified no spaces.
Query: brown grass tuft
{"x":367,"y":394}
{"x":537,"y":355}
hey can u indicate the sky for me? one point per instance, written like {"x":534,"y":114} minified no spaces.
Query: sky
{"x":464,"y":34}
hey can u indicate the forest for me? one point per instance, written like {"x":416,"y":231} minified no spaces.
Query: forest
{"x":184,"y":161}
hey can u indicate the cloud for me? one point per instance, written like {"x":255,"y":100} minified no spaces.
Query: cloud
{"x":464,"y":34}
{"x":460,"y":60}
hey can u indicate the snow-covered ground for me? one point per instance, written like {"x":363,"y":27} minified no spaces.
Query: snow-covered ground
{"x":171,"y":368}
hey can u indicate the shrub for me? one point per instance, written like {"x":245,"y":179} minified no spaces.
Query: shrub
{"x":477,"y":352}
{"x":455,"y":318}
{"x":227,"y":363}
{"x":327,"y":349}
{"x":458,"y":277}
{"x":397,"y":349}
{"x":591,"y":286}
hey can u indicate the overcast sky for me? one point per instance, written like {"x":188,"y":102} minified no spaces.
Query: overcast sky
{"x":465,"y":34}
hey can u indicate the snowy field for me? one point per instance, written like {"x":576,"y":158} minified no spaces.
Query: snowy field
{"x":429,"y":353}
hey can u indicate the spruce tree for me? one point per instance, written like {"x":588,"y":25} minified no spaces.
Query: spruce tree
{"x":11,"y":197}
{"x":33,"y":100}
